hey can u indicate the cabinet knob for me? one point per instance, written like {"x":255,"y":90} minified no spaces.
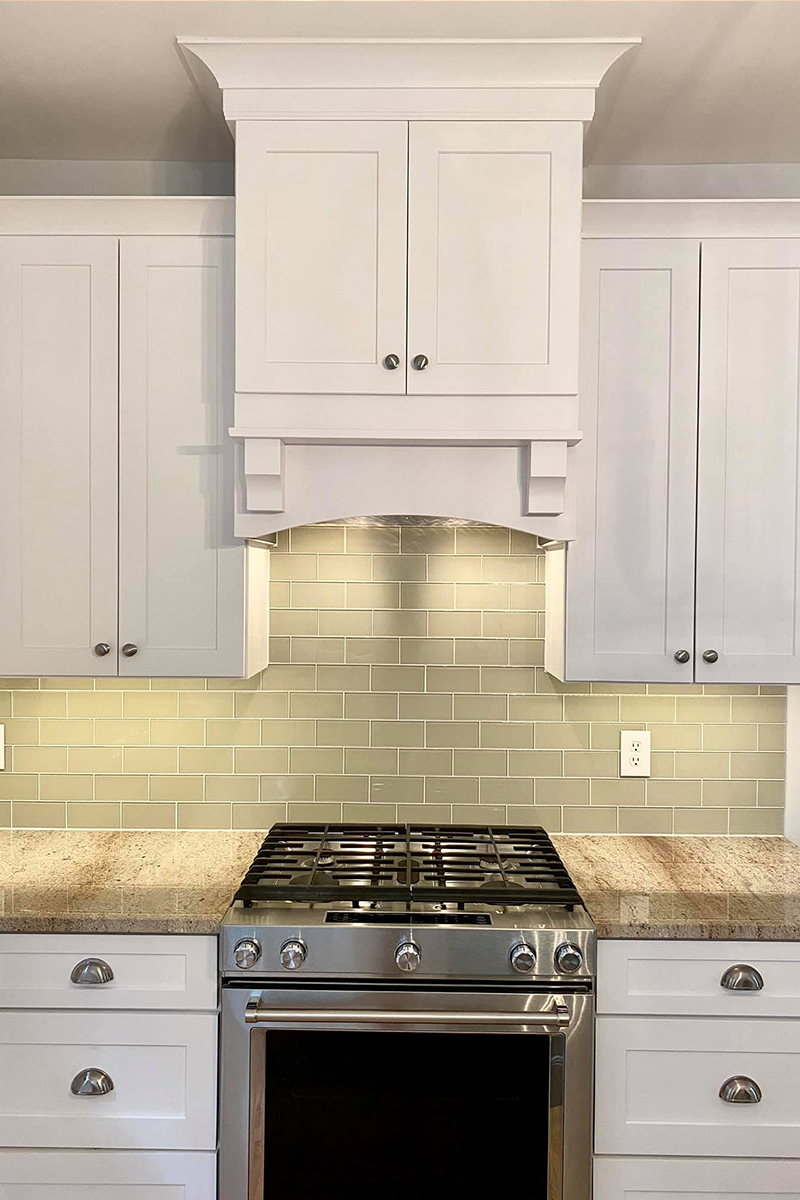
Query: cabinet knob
{"x":419,"y":362}
{"x":102,"y":649}
{"x":741,"y":978}
{"x":740,"y":1089}
{"x":129,"y":649}
{"x":92,"y":970}
{"x":391,"y":362}
{"x":91,"y":1081}
{"x":682,"y":656}
{"x":710,"y":656}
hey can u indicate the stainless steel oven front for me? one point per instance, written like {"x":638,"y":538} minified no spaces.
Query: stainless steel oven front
{"x":438,"y":1091}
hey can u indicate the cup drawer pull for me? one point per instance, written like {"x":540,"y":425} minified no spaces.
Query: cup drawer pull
{"x":91,"y":1082}
{"x":739,"y":1089}
{"x":91,"y":971}
{"x":741,"y":978}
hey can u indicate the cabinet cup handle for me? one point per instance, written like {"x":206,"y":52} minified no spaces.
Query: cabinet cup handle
{"x":129,"y":649}
{"x":740,"y":1089}
{"x":741,"y":978}
{"x":391,"y":362}
{"x":102,"y":649}
{"x":682,"y":656}
{"x":91,"y":1081}
{"x":91,"y":971}
{"x":710,"y":656}
{"x":419,"y":362}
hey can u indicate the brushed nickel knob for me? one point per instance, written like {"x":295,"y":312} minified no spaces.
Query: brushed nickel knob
{"x":569,"y":958}
{"x":522,"y":957}
{"x":129,"y":649}
{"x":102,"y":649}
{"x":293,"y":954}
{"x":91,"y":1081}
{"x":710,"y":656}
{"x":408,"y":955}
{"x":91,"y":971}
{"x":682,"y":656}
{"x":419,"y":362}
{"x":246,"y":953}
{"x":740,"y":1089}
{"x":391,"y":362}
{"x":741,"y":978}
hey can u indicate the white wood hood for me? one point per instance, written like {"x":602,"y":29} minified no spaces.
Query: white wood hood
{"x":408,"y":225}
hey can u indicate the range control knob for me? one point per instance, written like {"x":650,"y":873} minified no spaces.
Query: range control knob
{"x":569,"y":958}
{"x":246,"y":953}
{"x":522,"y":957}
{"x":293,"y":954}
{"x":408,"y":955}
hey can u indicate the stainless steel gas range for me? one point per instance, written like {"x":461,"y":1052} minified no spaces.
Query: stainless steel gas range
{"x":355,"y":960}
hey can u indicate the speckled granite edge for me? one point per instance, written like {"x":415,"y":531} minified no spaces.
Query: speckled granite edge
{"x":743,"y":888}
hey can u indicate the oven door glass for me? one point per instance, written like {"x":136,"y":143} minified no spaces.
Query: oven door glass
{"x":374,"y":1115}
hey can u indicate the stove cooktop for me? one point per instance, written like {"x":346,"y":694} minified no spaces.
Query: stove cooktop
{"x":328,"y":863}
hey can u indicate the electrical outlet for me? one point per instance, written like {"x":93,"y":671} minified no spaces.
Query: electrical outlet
{"x":2,"y":747}
{"x":634,"y":752}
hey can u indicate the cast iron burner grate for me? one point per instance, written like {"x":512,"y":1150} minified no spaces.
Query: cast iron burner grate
{"x":484,"y":864}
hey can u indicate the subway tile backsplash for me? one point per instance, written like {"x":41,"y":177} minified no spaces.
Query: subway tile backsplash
{"x":406,"y":683}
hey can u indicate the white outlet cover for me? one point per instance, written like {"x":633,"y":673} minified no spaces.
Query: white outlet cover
{"x":2,"y":747}
{"x":634,"y":752}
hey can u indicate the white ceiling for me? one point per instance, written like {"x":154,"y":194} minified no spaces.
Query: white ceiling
{"x":713,"y":82}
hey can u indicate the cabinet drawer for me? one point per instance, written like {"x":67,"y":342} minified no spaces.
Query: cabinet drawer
{"x":163,"y":1067}
{"x":714,"y":1179}
{"x":658,"y":1083}
{"x":685,"y":978}
{"x":156,"y":972}
{"x":106,"y":1175}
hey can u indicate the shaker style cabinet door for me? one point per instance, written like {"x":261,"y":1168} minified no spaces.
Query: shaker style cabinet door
{"x":493,"y":256}
{"x":321,"y":256}
{"x":630,"y":570}
{"x":748,"y":567}
{"x":58,"y":456}
{"x":182,"y":575}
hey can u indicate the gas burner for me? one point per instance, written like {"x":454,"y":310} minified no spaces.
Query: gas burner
{"x":320,"y":879}
{"x":323,"y":859}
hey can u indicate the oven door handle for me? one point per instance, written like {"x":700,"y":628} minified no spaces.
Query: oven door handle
{"x":557,"y":1016}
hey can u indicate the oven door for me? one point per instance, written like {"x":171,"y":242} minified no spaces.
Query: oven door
{"x":379,"y":1093}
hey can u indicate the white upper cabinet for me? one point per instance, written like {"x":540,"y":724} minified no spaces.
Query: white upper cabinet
{"x":630,"y":571}
{"x":182,"y":575}
{"x":58,"y":455}
{"x":492,"y":210}
{"x":493,"y":256}
{"x":748,"y":586}
{"x":321,"y":256}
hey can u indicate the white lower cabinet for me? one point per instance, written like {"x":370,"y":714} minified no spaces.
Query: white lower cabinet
{"x":106,"y":1175}
{"x":697,"y":1061}
{"x":163,"y":1067}
{"x":713,"y":1179}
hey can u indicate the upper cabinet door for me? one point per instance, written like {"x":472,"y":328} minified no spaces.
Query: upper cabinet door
{"x":630,"y":571}
{"x":58,"y":455}
{"x":494,"y":256}
{"x":320,"y":255}
{"x":182,"y":574}
{"x":748,"y":566}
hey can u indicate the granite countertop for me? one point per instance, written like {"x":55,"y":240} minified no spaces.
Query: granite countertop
{"x":633,"y":887}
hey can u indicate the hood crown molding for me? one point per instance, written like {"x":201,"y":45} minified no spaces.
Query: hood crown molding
{"x":545,"y":78}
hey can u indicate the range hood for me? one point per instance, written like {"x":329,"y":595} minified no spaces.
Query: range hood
{"x":408,"y":223}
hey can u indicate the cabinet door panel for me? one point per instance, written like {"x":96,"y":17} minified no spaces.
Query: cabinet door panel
{"x":58,"y":455}
{"x":494,"y":243}
{"x":114,"y":1175}
{"x":705,"y":1179}
{"x":630,"y":571}
{"x":748,"y":568}
{"x":181,"y":571}
{"x":321,"y":255}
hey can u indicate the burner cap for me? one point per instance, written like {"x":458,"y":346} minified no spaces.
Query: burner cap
{"x":401,"y":871}
{"x":321,"y":879}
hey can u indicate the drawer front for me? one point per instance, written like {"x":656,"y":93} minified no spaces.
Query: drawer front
{"x":658,"y":1083}
{"x":163,"y":1067}
{"x":685,"y":978}
{"x":106,"y":1175}
{"x":148,"y":972}
{"x":713,"y":1179}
